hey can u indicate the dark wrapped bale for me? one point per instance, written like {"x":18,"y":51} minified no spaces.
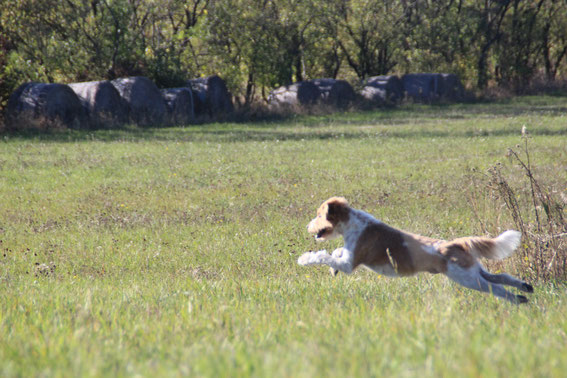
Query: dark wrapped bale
{"x":337,"y":93}
{"x":431,"y":87}
{"x":104,"y":106}
{"x":199,"y":102}
{"x":44,"y":106}
{"x":453,"y":89}
{"x":146,"y":105}
{"x":300,"y":94}
{"x":211,"y":97}
{"x":423,"y":87}
{"x":179,"y":105}
{"x":374,"y":95}
{"x":383,"y":90}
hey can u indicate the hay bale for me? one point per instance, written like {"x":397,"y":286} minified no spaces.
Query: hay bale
{"x":179,"y":103}
{"x":211,"y":97}
{"x":374,"y":95}
{"x":44,"y":106}
{"x":300,"y":94}
{"x":146,"y":104}
{"x":103,"y":104}
{"x":337,"y":93}
{"x":431,"y":87}
{"x":423,"y":87}
{"x":453,"y":89}
{"x":383,"y":90}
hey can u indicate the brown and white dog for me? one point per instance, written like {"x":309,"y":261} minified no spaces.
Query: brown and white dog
{"x":395,"y":253}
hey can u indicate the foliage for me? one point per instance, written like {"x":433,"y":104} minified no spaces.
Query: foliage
{"x":259,"y":44}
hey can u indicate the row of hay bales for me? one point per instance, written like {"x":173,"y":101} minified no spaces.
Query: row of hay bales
{"x":108,"y":104}
{"x":137,"y":100}
{"x":376,"y":91}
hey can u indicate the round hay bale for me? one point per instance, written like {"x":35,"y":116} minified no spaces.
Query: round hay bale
{"x":44,"y":106}
{"x":179,"y":103}
{"x":300,"y":94}
{"x":383,"y":90}
{"x":374,"y":95}
{"x":337,"y":93}
{"x":423,"y":87}
{"x":211,"y":97}
{"x":147,"y":106}
{"x":453,"y":89}
{"x":104,"y":106}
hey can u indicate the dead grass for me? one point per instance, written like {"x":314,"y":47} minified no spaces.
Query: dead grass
{"x":537,"y":205}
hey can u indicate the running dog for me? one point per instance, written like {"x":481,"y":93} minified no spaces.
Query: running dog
{"x":395,"y":253}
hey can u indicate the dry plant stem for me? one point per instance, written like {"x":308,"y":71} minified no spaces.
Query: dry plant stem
{"x":544,"y":248}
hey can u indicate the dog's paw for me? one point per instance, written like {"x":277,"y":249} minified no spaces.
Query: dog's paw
{"x":337,"y":253}
{"x":527,"y":288}
{"x":521,"y":299}
{"x":311,"y":257}
{"x":305,"y":259}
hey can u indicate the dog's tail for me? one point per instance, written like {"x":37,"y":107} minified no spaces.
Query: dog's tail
{"x":491,"y":248}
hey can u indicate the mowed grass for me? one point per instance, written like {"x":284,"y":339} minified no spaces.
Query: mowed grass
{"x":165,"y":252}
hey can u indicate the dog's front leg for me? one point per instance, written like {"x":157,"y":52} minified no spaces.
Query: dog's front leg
{"x":339,"y":260}
{"x":337,"y":253}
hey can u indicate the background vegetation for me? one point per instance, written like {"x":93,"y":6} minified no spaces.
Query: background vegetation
{"x":173,"y":251}
{"x":259,"y":44}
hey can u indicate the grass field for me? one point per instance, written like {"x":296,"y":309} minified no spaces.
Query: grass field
{"x":164,"y":252}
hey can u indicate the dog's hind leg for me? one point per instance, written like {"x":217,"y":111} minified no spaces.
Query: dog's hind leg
{"x":341,"y":260}
{"x":506,"y":279}
{"x":472,"y":279}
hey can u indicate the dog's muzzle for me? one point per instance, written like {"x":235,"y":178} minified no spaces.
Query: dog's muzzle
{"x":322,"y":232}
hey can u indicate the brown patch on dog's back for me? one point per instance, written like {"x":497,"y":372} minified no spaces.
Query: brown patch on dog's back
{"x":423,"y":253}
{"x":457,"y":253}
{"x":382,"y":245}
{"x":477,"y":245}
{"x":377,"y":244}
{"x":464,"y":251}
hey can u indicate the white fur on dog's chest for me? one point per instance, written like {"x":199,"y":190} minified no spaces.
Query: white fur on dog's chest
{"x":385,"y":270}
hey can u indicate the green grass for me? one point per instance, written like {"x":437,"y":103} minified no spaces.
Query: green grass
{"x":173,"y":251}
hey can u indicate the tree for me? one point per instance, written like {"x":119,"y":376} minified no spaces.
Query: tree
{"x":369,"y":33}
{"x":260,"y":43}
{"x":554,"y":36}
{"x":519,"y":45}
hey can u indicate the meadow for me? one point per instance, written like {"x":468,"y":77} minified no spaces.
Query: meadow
{"x":172,"y":251}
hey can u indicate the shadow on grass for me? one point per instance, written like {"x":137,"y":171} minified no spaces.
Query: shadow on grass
{"x":317,"y":126}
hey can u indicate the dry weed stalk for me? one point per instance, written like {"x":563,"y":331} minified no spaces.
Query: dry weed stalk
{"x":537,"y":210}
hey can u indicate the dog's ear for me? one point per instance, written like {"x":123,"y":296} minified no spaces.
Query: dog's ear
{"x":337,"y":208}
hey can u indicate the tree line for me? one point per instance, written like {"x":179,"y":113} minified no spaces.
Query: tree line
{"x":256,"y":45}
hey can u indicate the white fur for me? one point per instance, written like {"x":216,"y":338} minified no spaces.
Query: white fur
{"x":341,"y":259}
{"x":472,"y":279}
{"x":506,"y":244}
{"x":431,"y":249}
{"x":385,"y":270}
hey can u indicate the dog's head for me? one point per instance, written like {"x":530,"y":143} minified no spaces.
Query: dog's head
{"x":330,"y":215}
